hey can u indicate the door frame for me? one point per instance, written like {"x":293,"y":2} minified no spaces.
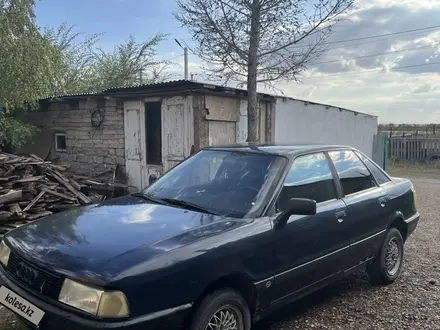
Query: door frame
{"x":132,"y":166}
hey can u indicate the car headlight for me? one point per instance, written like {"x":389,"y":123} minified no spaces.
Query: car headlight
{"x":5,"y":251}
{"x":111,"y":304}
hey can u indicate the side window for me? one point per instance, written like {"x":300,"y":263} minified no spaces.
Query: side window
{"x":354,"y":175}
{"x":378,"y":174}
{"x":309,"y":177}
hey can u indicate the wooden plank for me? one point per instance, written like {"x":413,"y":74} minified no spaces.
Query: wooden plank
{"x":11,"y":196}
{"x":5,"y":215}
{"x":34,"y":201}
{"x":63,"y":207}
{"x":75,"y":184}
{"x":13,"y":160}
{"x":31,"y":179}
{"x":78,"y":194}
{"x":15,"y":208}
{"x":36,"y":157}
{"x":62,"y":177}
{"x":38,"y":215}
{"x":57,"y":167}
{"x":55,"y":193}
{"x":12,"y":177}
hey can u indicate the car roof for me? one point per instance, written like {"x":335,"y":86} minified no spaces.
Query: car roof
{"x":278,"y":149}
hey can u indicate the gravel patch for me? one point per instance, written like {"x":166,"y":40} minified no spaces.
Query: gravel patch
{"x":412,"y":302}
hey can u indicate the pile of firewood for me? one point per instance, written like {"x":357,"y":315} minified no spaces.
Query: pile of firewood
{"x":31,"y":188}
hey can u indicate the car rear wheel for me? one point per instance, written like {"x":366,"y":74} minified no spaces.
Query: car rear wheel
{"x":222,"y":310}
{"x":387,"y":265}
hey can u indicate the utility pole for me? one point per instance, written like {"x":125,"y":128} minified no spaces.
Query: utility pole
{"x":185,"y":58}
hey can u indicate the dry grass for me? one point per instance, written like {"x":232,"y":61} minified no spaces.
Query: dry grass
{"x":413,"y":169}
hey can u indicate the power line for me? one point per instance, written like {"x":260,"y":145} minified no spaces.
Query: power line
{"x":413,"y":31}
{"x":369,"y":71}
{"x":173,"y":58}
{"x":366,"y":42}
{"x":373,"y":55}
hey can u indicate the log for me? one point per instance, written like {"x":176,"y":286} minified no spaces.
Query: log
{"x":34,"y":201}
{"x":11,"y":196}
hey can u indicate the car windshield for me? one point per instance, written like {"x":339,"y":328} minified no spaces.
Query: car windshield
{"x":222,"y":182}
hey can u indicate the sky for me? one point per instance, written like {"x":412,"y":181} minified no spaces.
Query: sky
{"x":351,"y":77}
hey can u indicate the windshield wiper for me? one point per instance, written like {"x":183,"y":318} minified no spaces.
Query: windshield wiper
{"x":148,"y":198}
{"x":188,"y":205}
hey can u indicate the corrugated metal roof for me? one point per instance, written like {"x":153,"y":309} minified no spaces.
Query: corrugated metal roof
{"x":135,"y":88}
{"x":178,"y":85}
{"x":68,"y":95}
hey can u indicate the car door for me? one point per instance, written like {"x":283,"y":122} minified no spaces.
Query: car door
{"x":367,"y":211}
{"x":310,"y":248}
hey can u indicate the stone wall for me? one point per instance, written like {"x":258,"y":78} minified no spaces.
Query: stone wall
{"x":89,"y":150}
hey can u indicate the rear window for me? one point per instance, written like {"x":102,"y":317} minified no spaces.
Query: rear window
{"x":378,"y":174}
{"x":353,"y":174}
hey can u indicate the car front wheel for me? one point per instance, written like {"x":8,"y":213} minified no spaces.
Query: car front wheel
{"x":222,"y":310}
{"x":387,"y":265}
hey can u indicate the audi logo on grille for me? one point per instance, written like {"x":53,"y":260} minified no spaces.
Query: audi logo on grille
{"x":26,"y":273}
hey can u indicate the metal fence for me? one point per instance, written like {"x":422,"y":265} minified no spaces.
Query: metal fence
{"x":413,"y":149}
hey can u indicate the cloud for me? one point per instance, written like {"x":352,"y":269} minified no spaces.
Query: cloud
{"x":351,"y":78}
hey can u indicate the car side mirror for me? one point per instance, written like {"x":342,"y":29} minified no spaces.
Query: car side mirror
{"x":297,"y":206}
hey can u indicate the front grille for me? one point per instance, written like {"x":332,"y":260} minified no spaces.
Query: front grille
{"x":34,"y":278}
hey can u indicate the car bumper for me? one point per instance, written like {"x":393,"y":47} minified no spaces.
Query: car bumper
{"x":412,"y":223}
{"x":58,"y":318}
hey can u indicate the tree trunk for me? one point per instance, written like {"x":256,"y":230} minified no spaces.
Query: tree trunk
{"x":252,"y":108}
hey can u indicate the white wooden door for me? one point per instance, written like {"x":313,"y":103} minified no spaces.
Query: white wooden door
{"x":175,"y":131}
{"x":134,"y":146}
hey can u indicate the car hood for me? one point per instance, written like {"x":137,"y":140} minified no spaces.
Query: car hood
{"x":101,"y":240}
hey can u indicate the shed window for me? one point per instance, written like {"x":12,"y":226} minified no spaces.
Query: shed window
{"x":60,"y":142}
{"x":153,"y":127}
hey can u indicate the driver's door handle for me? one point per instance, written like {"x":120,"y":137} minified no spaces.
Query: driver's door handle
{"x":383,"y":201}
{"x":340,"y":215}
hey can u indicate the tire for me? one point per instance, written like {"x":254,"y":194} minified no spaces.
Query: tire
{"x":381,"y":271}
{"x":228,"y":301}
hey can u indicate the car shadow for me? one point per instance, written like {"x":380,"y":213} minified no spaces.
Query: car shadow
{"x":356,"y":282}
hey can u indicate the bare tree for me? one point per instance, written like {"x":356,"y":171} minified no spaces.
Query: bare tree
{"x":259,"y":41}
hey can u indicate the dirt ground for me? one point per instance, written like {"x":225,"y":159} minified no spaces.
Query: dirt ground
{"x":413,"y":302}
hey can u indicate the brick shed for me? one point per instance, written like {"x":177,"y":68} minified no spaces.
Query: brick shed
{"x":148,"y":129}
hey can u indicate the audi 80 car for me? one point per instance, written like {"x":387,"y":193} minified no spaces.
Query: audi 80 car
{"x":217,"y":242}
